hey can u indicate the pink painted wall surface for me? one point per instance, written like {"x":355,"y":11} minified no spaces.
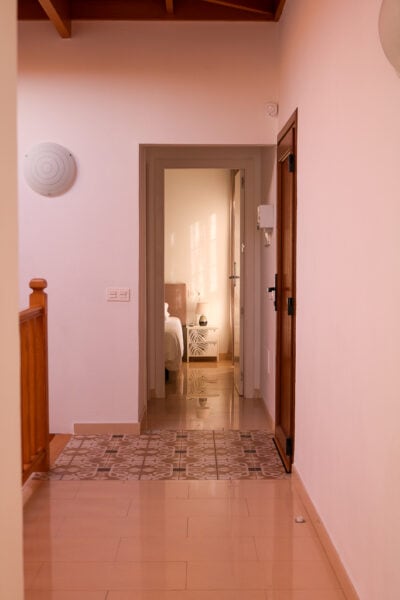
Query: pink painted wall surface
{"x":11,"y":563}
{"x":267,"y":272}
{"x":348,"y":411}
{"x":102,"y":93}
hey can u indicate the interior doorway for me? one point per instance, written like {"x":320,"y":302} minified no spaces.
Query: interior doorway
{"x":154,"y":162}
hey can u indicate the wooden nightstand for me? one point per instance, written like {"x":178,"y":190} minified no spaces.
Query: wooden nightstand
{"x":202,"y":341}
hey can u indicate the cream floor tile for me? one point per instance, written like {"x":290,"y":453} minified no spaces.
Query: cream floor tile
{"x":47,"y":489}
{"x":31,"y":569}
{"x":265,"y":575}
{"x":306,"y":595}
{"x":162,"y":548}
{"x":118,"y":527}
{"x":224,"y":575}
{"x":191,"y":507}
{"x":111,"y":576}
{"x":36,"y":527}
{"x":134,"y":489}
{"x":212,"y":489}
{"x":262,"y":492}
{"x":188,"y":595}
{"x":40,"y":507}
{"x":64,"y":595}
{"x":296,"y":548}
{"x":263,"y":507}
{"x":280,"y":526}
{"x":83,"y":549}
{"x":57,"y":489}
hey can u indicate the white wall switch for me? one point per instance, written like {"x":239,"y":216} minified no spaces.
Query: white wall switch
{"x":124,"y":294}
{"x":118,"y":294}
{"x":112,"y":294}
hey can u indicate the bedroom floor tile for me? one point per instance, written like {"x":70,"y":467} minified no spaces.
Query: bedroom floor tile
{"x":202,"y":397}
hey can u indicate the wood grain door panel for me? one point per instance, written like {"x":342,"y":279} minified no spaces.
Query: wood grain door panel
{"x":286,"y":293}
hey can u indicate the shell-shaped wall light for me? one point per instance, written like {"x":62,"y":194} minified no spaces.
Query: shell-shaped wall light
{"x":389,"y":31}
{"x":50,"y":169}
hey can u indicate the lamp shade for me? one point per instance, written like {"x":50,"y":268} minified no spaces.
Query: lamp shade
{"x":389,"y":31}
{"x":201,"y":308}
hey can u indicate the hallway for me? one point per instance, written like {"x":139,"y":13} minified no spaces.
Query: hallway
{"x":181,"y":539}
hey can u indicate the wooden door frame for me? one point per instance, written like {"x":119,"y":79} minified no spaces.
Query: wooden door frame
{"x":234,"y":173}
{"x":154,"y":159}
{"x":292,"y":123}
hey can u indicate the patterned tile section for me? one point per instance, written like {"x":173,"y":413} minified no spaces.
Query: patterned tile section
{"x":166,"y":454}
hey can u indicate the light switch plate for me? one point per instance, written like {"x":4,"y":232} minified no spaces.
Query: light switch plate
{"x":124,"y":294}
{"x":118,"y":294}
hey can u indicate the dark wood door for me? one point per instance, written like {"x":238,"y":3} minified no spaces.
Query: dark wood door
{"x":286,"y":292}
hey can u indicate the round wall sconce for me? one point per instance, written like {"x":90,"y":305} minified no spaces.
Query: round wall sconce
{"x":49,"y":169}
{"x":389,"y":31}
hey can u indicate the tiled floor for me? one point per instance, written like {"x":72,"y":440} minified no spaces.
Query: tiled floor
{"x":202,"y":396}
{"x":172,"y":540}
{"x":167,"y":454}
{"x":175,"y":540}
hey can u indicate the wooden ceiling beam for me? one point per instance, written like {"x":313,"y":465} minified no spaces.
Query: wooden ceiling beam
{"x":279,"y":9}
{"x":58,"y":11}
{"x":241,"y":6}
{"x":149,"y":10}
{"x":169,"y":6}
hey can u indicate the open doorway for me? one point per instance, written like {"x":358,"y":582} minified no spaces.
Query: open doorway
{"x":198,"y":228}
{"x":256,"y":167}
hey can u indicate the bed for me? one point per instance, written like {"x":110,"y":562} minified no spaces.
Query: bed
{"x":175,"y":318}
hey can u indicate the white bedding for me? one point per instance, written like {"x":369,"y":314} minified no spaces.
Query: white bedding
{"x":173,"y":343}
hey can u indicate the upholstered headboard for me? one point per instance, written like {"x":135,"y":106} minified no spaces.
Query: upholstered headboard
{"x":175,"y":295}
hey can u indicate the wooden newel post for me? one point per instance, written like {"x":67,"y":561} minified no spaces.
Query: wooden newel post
{"x":38,"y":296}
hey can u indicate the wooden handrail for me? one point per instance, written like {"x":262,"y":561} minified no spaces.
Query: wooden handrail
{"x":34,"y":382}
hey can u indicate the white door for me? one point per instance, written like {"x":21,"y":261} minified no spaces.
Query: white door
{"x":236,"y":269}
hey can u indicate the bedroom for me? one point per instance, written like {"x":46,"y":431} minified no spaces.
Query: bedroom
{"x":197,"y":244}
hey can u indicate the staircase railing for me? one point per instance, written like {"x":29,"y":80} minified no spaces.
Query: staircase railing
{"x":34,"y":382}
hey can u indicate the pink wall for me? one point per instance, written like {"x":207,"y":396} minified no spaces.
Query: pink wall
{"x":348,"y":410}
{"x":268,"y":316}
{"x":102,"y":93}
{"x":11,"y":565}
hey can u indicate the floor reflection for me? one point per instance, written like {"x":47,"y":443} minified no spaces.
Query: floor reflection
{"x":202,"y":396}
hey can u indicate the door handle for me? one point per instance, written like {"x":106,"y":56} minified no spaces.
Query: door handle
{"x":234,"y":277}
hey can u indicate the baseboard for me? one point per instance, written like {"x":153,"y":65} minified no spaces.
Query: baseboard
{"x":332,"y":554}
{"x":98,"y":428}
{"x":225,"y":356}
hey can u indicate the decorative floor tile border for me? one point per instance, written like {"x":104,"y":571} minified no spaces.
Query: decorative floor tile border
{"x":165,"y":454}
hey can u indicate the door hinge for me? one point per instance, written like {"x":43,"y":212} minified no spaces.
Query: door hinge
{"x":289,"y":447}
{"x":291,"y":163}
{"x":290,"y":306}
{"x":242,"y":181}
{"x":241,"y":376}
